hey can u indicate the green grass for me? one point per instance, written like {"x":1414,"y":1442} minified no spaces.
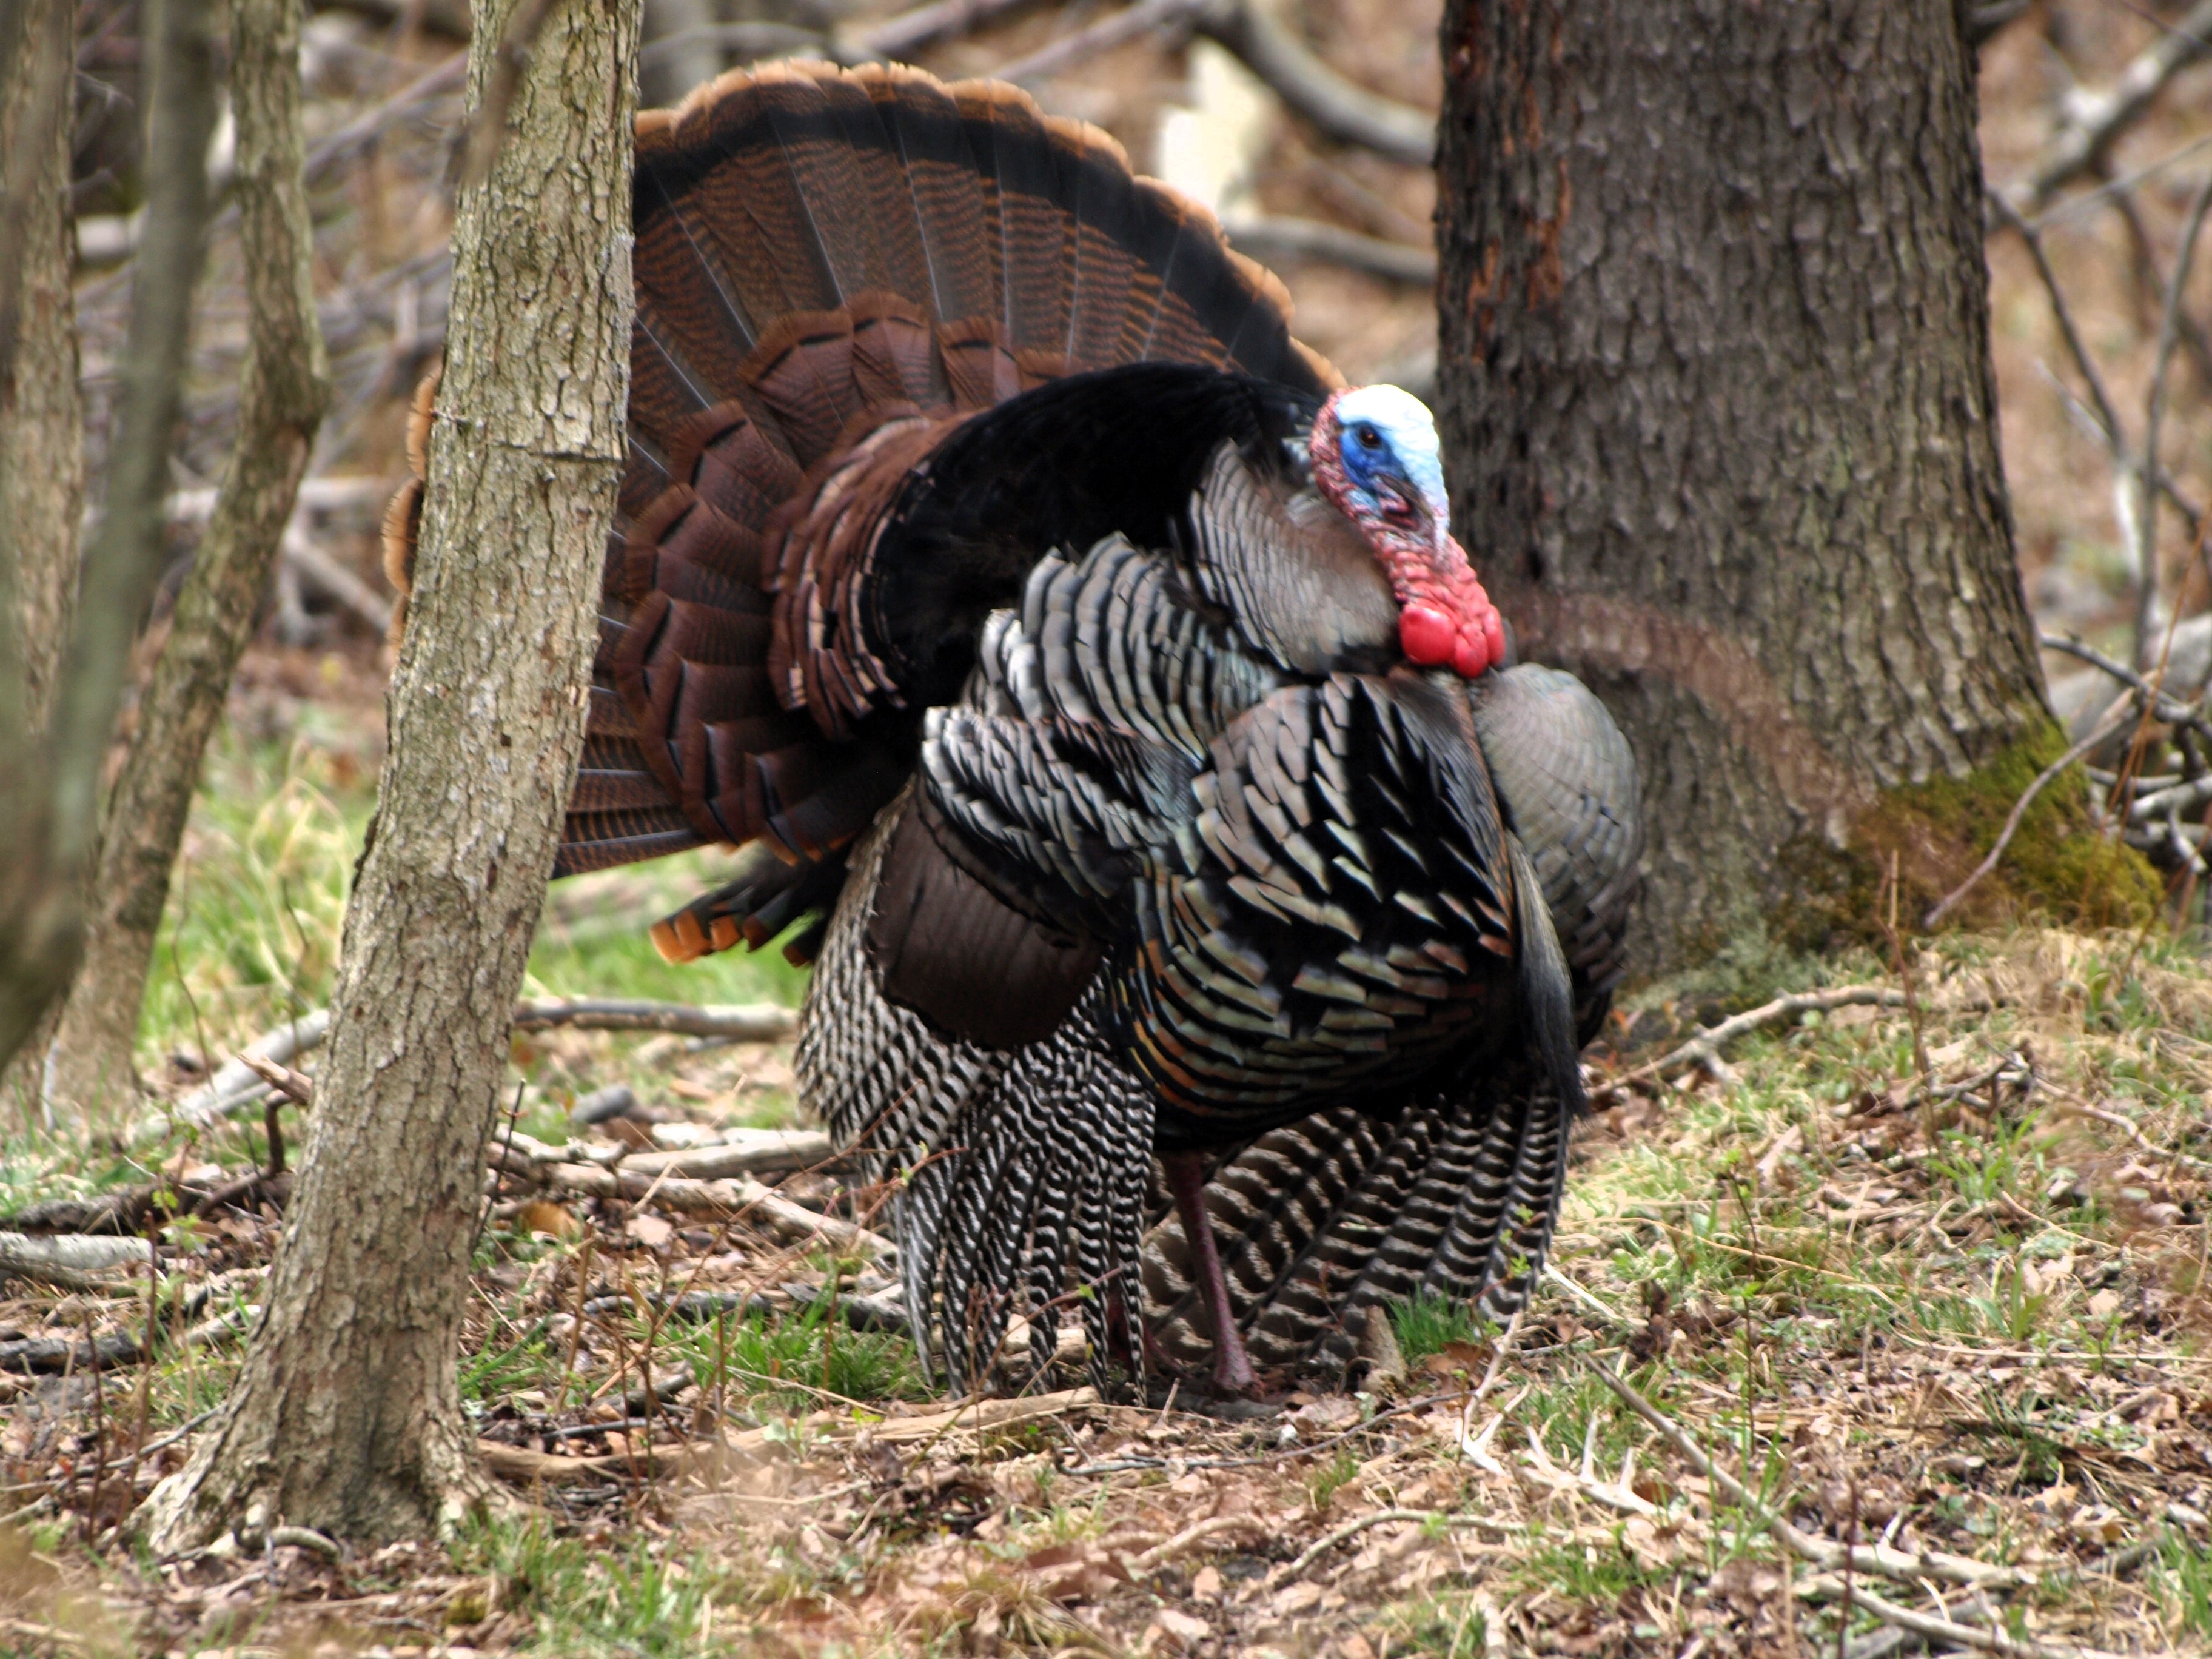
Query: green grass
{"x":1426,"y":1325}
{"x":628,"y":1600}
{"x":2183,"y":1571}
{"x":257,"y":902}
{"x":797,"y":1362}
{"x":1447,"y":1626}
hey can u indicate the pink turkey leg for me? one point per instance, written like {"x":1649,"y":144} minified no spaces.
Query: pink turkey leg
{"x":1233,"y":1366}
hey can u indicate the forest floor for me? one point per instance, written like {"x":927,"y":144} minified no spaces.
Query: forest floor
{"x":1931,"y":1274}
{"x":1931,"y":1277}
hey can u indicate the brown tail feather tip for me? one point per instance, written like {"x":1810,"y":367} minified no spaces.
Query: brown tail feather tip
{"x":658,"y":127}
{"x":679,"y":937}
{"x":687,"y":935}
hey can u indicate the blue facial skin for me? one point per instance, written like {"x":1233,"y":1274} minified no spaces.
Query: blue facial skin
{"x":1390,"y":451}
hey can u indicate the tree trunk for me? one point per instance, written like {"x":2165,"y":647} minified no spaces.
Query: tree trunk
{"x":346,"y":1415}
{"x":281,"y":391}
{"x":50,"y":783}
{"x":41,"y":407}
{"x":1720,"y":419}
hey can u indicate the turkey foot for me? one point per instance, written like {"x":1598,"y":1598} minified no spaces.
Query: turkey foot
{"x":1233,"y":1366}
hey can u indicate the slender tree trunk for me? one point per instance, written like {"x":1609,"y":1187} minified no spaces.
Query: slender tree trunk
{"x":282,"y":392}
{"x":346,"y":1415}
{"x":41,"y":408}
{"x":1720,"y":418}
{"x":50,"y":785}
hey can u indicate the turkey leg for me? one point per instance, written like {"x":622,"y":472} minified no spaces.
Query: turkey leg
{"x":1233,"y":1366}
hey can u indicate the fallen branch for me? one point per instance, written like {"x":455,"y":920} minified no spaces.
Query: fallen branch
{"x":238,"y":1087}
{"x":335,"y":579}
{"x":727,"y":1200}
{"x":1160,"y":1555}
{"x":527,"y":1465}
{"x":909,"y":32}
{"x":1704,"y":1049}
{"x":2075,"y":1106}
{"x":754,"y":1022}
{"x":741,"y":1152}
{"x":2165,"y":707}
{"x":2104,"y":729}
{"x":72,"y":1261}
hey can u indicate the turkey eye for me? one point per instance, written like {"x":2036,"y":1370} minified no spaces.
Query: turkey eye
{"x":1369,"y":438}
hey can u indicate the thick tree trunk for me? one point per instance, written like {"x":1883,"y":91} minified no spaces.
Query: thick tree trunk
{"x":41,"y":408}
{"x":282,"y":392}
{"x":1720,"y":418}
{"x":346,"y":1415}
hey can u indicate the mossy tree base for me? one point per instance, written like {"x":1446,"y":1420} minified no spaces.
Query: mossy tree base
{"x":2059,"y":866}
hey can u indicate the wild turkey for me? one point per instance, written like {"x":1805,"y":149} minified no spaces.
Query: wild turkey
{"x":1103,"y":682}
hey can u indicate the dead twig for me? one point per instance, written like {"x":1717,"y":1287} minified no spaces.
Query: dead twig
{"x":1704,"y":1049}
{"x":1883,"y":1560}
{"x":1383,"y":1517}
{"x":295,"y":1086}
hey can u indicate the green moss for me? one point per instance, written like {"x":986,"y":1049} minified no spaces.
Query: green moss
{"x":2058,"y":867}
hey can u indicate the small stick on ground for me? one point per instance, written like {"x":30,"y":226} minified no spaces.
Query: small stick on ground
{"x":1382,"y":1517}
{"x":1704,"y":1049}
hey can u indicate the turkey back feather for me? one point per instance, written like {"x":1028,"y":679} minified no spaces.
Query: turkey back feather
{"x":835,"y":270}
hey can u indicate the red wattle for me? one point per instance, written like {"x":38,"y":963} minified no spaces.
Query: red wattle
{"x":1427,"y":635}
{"x":1470,"y":657}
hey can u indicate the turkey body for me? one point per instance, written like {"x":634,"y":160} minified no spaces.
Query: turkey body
{"x":994,"y":565}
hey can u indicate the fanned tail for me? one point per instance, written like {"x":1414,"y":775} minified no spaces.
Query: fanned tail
{"x":833,"y":270}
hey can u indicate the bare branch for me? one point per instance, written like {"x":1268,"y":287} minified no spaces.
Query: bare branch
{"x":909,"y":32}
{"x":2094,"y":119}
{"x":2153,"y":414}
{"x":1277,"y":237}
{"x":2107,"y":416}
{"x":1344,"y":110}
{"x":1116,"y":28}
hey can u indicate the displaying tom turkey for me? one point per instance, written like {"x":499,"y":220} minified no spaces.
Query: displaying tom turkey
{"x":1101,"y":679}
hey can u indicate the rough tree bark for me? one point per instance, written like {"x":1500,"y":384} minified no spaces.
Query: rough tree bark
{"x":1719,"y":414}
{"x":346,"y":1414}
{"x":283,"y":389}
{"x":50,"y":785}
{"x":41,"y":408}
